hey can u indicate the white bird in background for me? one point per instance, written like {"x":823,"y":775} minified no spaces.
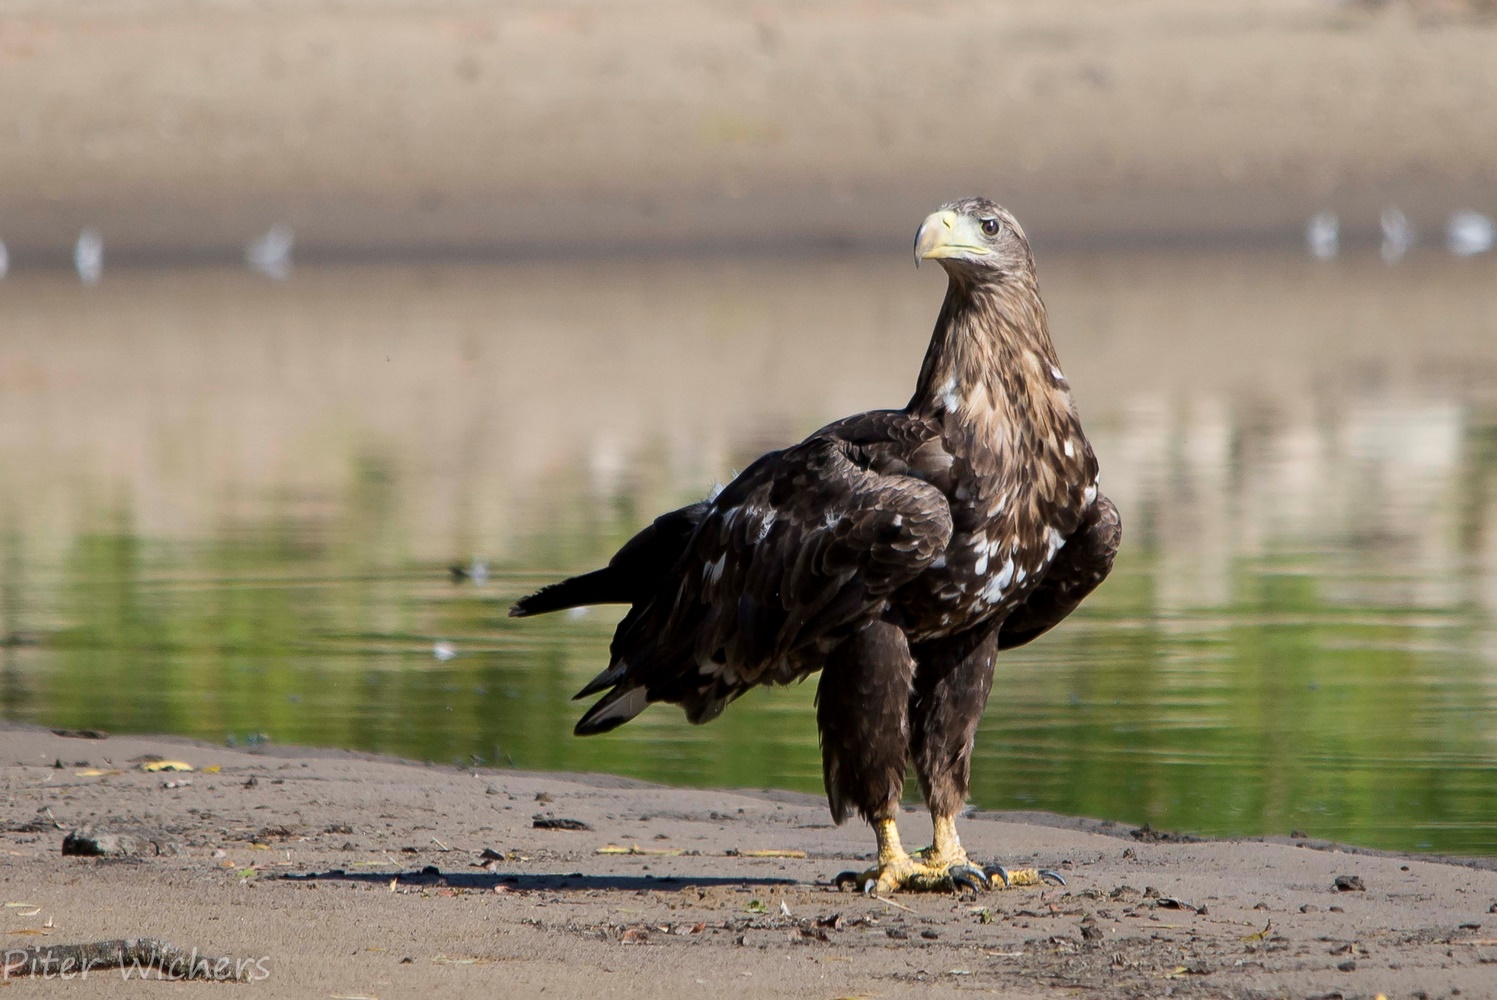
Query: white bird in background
{"x":478,"y":571}
{"x":1469,"y":233}
{"x":1323,"y":235}
{"x":88,"y":256}
{"x":1398,"y":234}
{"x":271,"y":253}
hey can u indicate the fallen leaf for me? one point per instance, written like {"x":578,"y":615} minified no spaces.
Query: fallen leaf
{"x":213,"y":769}
{"x":1180,"y":971}
{"x":153,"y":766}
{"x":635,"y":849}
{"x":1259,"y":935}
{"x":772,"y":853}
{"x":94,"y":772}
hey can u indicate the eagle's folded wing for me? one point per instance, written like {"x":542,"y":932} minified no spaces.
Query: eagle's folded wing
{"x":801,"y":549}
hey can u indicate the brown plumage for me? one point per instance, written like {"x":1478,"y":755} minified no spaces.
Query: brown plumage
{"x":896,"y":551}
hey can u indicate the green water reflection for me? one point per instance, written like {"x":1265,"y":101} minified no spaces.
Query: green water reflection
{"x":1298,"y":635}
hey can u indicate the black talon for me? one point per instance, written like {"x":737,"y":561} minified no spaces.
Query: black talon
{"x":998,"y":870}
{"x":1052,"y":876}
{"x":968,"y":876}
{"x":847,"y":878}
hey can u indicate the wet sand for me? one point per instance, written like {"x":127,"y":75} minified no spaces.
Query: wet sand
{"x":357,"y":876}
{"x":571,"y":129}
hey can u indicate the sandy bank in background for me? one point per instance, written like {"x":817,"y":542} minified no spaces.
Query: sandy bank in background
{"x":356,"y":877}
{"x":580,"y":127}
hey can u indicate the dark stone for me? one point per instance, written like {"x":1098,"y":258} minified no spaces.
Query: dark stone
{"x":90,"y":843}
{"x":553,"y":823}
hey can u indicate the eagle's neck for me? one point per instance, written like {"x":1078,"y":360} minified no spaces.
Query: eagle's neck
{"x":991,"y":349}
{"x":992,"y":379}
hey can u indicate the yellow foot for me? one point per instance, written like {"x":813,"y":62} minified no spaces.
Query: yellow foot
{"x":909,"y":874}
{"x":993,"y":876}
{"x":999,"y":875}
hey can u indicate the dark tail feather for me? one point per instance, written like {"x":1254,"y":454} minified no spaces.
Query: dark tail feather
{"x":601,"y":586}
{"x":608,"y":678}
{"x":613,"y":710}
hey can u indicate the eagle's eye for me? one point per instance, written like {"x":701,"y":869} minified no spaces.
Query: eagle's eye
{"x":990,"y":227}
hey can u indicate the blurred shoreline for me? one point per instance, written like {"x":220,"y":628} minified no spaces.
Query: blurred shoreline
{"x":454,"y":128}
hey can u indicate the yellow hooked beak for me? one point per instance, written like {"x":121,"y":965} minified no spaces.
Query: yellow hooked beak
{"x":947,"y":234}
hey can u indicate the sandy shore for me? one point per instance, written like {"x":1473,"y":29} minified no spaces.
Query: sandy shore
{"x":349,"y":876}
{"x":581,"y":127}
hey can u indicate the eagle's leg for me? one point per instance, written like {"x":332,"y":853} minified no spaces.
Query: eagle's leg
{"x":862,"y":706}
{"x":897,"y":870}
{"x":952,"y":682}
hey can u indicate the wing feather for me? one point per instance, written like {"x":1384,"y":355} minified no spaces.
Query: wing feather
{"x":1081,"y":565}
{"x":801,"y":549}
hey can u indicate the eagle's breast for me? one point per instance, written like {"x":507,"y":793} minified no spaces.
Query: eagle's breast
{"x":1022,"y":478}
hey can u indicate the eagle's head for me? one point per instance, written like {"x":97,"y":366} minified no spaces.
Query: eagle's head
{"x":975,"y":239}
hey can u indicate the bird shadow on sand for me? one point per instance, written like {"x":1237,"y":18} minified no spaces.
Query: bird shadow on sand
{"x":433,"y":877}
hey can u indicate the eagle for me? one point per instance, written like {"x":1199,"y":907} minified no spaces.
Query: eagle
{"x":896,"y":551}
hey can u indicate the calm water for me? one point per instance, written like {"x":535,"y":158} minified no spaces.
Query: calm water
{"x":227,"y":507}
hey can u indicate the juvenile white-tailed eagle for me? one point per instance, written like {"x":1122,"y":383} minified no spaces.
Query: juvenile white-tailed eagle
{"x":896,"y":551}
